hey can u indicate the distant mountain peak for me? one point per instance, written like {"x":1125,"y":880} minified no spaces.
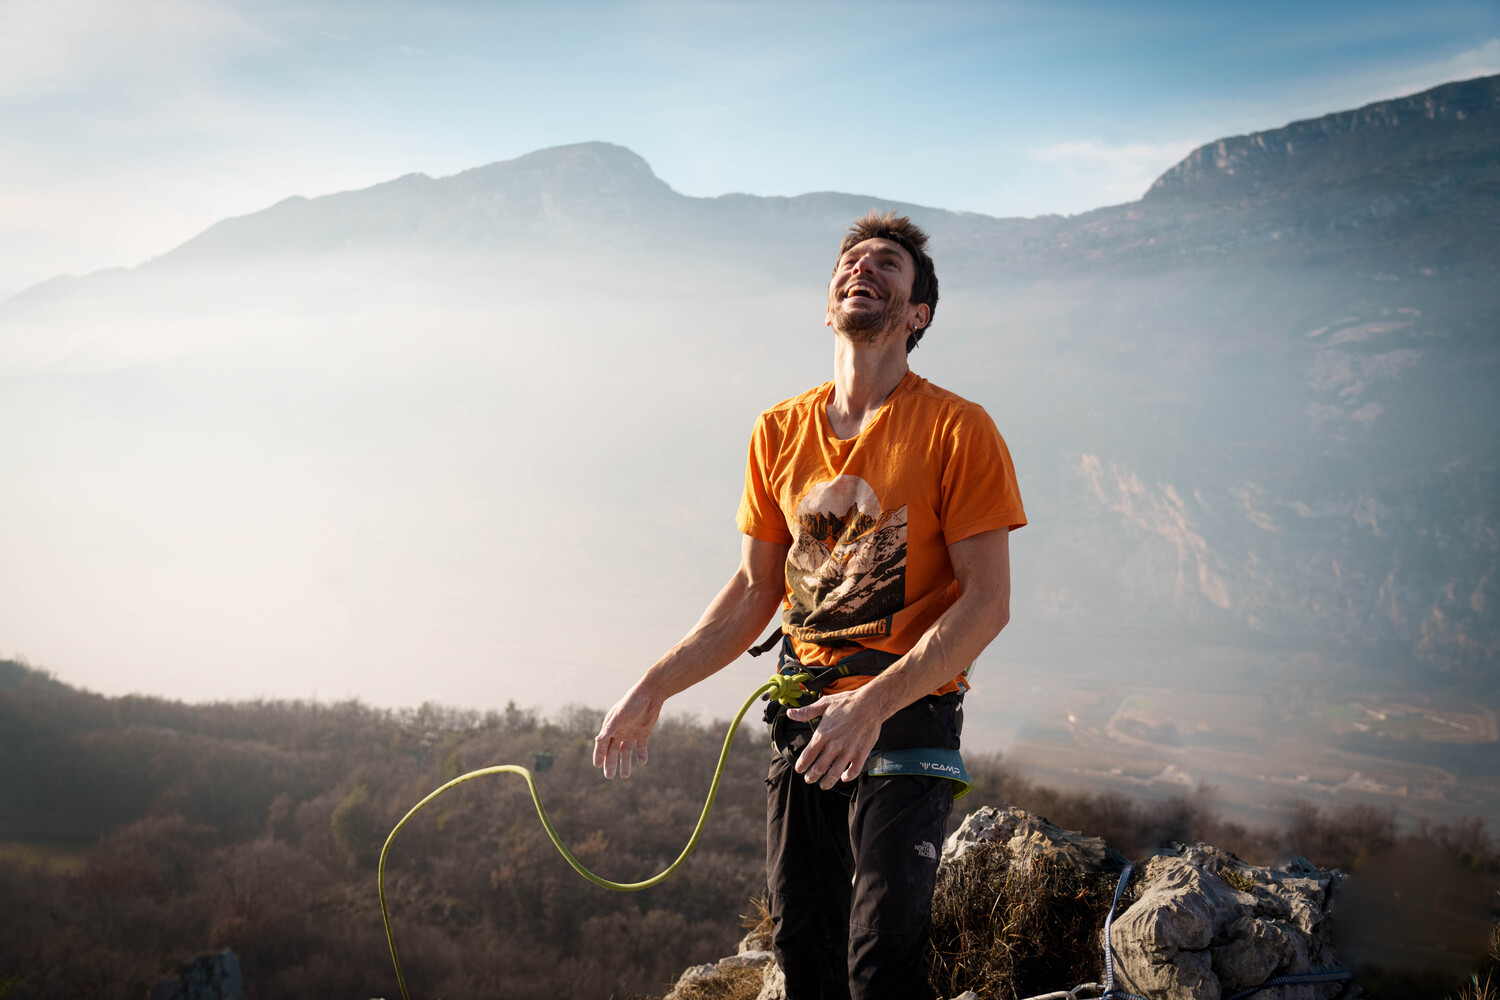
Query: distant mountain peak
{"x":578,"y":157}
{"x":574,"y":186}
{"x":590,"y":171}
{"x":1348,"y":144}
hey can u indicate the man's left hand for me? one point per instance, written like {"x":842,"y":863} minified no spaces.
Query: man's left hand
{"x":842,"y":741}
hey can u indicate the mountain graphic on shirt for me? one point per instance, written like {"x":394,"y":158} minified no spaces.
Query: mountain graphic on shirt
{"x":846,"y":571}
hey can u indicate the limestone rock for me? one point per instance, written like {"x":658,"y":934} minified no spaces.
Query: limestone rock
{"x":709,"y":971}
{"x":1207,"y":925}
{"x":757,"y":940}
{"x":774,"y":985}
{"x":1026,"y":836}
{"x":746,"y":959}
{"x":693,"y":973}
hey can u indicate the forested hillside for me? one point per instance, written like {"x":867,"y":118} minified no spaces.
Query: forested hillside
{"x":153,"y":829}
{"x":135,"y":832}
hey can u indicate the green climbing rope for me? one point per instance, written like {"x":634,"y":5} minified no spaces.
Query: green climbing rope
{"x":784,"y":688}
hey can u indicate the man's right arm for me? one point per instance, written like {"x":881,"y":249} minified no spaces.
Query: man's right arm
{"x":733,"y":621}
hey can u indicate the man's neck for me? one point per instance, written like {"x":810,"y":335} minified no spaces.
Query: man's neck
{"x":863,"y":376}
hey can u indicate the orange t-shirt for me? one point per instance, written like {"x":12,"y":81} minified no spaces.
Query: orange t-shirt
{"x":870,"y":518}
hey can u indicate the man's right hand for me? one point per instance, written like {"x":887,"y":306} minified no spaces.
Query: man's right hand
{"x":625,"y":731}
{"x":733,"y":620}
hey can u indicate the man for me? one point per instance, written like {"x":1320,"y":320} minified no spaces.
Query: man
{"x":876,"y":514}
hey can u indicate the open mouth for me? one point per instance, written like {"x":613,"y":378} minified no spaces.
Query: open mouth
{"x":860,"y":292}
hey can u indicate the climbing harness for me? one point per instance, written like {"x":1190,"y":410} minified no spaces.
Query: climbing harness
{"x":786,"y":689}
{"x":929,"y":762}
{"x":790,"y":737}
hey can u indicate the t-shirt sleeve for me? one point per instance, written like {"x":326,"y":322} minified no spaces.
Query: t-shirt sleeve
{"x":760,"y":515}
{"x":980,"y":492}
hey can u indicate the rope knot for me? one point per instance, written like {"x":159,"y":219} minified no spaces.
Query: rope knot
{"x":789,"y":688}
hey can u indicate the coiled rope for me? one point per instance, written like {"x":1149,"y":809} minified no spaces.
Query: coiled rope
{"x":784,"y":688}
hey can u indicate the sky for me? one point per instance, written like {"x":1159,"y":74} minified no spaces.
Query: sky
{"x":126,"y":128}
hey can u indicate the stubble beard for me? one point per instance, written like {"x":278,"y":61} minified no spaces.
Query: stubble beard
{"x":869,"y":327}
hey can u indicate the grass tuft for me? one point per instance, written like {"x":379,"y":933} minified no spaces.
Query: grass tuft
{"x":1485,"y":984}
{"x":726,"y":984}
{"x":1008,"y":931}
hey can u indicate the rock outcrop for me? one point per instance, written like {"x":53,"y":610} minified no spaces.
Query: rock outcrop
{"x":1027,"y":836}
{"x":1195,"y":922}
{"x":1206,"y":925}
{"x":747,"y":974}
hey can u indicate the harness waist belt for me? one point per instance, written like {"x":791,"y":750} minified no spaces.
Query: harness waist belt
{"x":927,"y":762}
{"x":920,"y":740}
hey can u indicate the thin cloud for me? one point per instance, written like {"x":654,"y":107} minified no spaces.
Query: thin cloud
{"x":1318,"y":95}
{"x":1483,"y":60}
{"x":1114,"y":172}
{"x":65,"y":46}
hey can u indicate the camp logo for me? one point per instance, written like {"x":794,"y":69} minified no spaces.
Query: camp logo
{"x":846,"y":571}
{"x":945,"y":768}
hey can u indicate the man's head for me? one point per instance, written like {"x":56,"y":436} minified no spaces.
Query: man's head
{"x":883,"y":280}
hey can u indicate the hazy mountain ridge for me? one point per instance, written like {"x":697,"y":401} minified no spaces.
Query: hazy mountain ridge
{"x":1363,"y":173}
{"x":1353,"y":179}
{"x":1256,"y":405}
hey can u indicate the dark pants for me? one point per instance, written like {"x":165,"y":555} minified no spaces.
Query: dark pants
{"x":851,"y":879}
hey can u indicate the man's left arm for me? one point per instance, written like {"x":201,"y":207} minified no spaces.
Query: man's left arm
{"x":851,"y":720}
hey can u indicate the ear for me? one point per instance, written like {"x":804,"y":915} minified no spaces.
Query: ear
{"x":924,"y":316}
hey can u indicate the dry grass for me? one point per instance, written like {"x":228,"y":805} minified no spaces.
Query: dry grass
{"x":1008,"y":932}
{"x":1485,"y":985}
{"x":726,"y":984}
{"x":1480,"y":988}
{"x":734,"y":983}
{"x":757,"y":922}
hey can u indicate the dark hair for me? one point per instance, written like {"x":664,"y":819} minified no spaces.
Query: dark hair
{"x":900,"y":230}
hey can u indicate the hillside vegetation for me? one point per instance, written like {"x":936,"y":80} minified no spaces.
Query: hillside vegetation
{"x":136,"y":831}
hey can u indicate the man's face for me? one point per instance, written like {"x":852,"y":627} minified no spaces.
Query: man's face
{"x":869,"y":294}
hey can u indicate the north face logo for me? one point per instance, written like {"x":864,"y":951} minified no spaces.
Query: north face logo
{"x":927,"y":851}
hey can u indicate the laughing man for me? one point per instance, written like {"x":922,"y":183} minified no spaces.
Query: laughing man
{"x":876,"y":516}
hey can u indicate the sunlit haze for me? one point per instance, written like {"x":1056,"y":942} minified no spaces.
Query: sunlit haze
{"x":473,"y":431}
